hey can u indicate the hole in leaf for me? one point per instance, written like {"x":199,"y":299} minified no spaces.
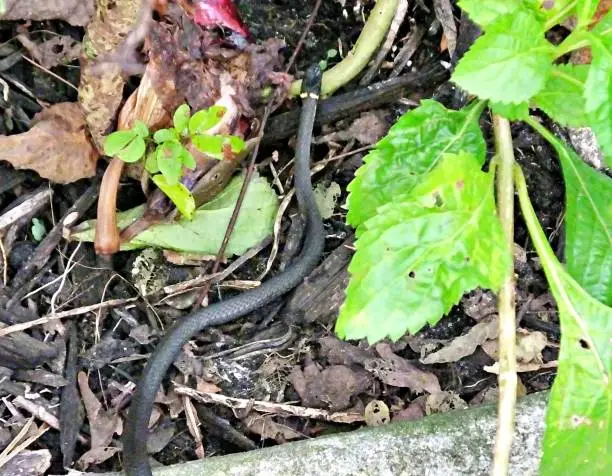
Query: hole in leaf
{"x":412,"y":274}
{"x":584,"y":344}
{"x":459,"y":184}
{"x":57,"y":49}
{"x":438,"y":199}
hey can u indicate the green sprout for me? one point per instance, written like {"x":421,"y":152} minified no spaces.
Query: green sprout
{"x":166,"y":154}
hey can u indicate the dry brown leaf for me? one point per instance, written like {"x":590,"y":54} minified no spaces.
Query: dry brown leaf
{"x":377,"y":413}
{"x":399,"y":372}
{"x":444,"y":13}
{"x":75,"y":12}
{"x":522,"y":367}
{"x":97,"y":456}
{"x":267,"y":428}
{"x":102,"y":424}
{"x":529,"y":347}
{"x":414,"y":411}
{"x":57,"y":146}
{"x":465,"y":344}
{"x":204,"y":386}
{"x":443,"y":402}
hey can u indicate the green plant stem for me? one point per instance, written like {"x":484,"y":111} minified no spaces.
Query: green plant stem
{"x":506,"y":306}
{"x":560,"y":16}
{"x":373,"y":33}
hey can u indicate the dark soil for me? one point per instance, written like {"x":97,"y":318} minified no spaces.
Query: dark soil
{"x":270,"y":373}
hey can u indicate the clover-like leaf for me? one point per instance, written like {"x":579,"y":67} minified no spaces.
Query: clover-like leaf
{"x":165,"y":135}
{"x":151,"y":162}
{"x":412,"y":148}
{"x":141,"y":129}
{"x":169,"y":161}
{"x":187,"y":159}
{"x":562,"y":97}
{"x":134,"y":151}
{"x":205,"y":119}
{"x":510,"y":63}
{"x":578,"y":426}
{"x":178,"y":193}
{"x":180,"y":120}
{"x":117,"y":141}
{"x":418,"y":256}
{"x":218,"y":146}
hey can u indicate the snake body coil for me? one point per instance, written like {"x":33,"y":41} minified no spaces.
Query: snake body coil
{"x":135,"y":445}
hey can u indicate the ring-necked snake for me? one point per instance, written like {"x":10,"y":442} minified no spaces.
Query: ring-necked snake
{"x":135,"y":444}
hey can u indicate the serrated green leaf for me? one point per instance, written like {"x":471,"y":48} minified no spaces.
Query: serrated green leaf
{"x":134,"y":151}
{"x":178,"y":193}
{"x":578,"y":434}
{"x":165,"y":135}
{"x":588,"y":221}
{"x":563,"y":95}
{"x":205,"y":119}
{"x":116,"y":141}
{"x":510,"y":63}
{"x":411,"y":149}
{"x":141,"y":129}
{"x":418,"y":256}
{"x":598,"y":94}
{"x":512,"y":112}
{"x":180,"y":120}
{"x":204,"y":233}
{"x":485,"y":13}
{"x":169,"y":162}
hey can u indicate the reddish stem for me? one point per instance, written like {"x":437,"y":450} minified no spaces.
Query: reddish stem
{"x":107,"y":240}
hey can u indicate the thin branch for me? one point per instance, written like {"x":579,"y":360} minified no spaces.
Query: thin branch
{"x":307,"y":28}
{"x":506,"y":303}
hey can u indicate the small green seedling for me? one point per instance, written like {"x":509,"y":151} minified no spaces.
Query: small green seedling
{"x":167,"y":154}
{"x":324,"y":63}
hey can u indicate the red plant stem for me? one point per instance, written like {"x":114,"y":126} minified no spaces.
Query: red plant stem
{"x":107,"y":241}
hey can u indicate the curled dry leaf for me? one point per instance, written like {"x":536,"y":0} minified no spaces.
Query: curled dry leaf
{"x":529,"y":347}
{"x":399,"y":372}
{"x":102,"y":424}
{"x":443,"y":402}
{"x":465,"y":344}
{"x":75,"y":12}
{"x":57,"y":146}
{"x":267,"y":428}
{"x":101,"y":93}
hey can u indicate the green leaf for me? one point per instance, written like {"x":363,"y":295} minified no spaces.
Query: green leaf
{"x":187,"y":159}
{"x":411,"y":149}
{"x":39,"y":230}
{"x":151,"y":163}
{"x":563,"y":95}
{"x":485,"y":13}
{"x":204,"y":233}
{"x":215,"y":146}
{"x":509,"y":63}
{"x":557,"y":11}
{"x":588,"y":220}
{"x":585,"y":9}
{"x":418,"y":256}
{"x":169,"y":161}
{"x":117,"y":141}
{"x":577,"y":437}
{"x":181,"y":118}
{"x":134,"y":151}
{"x":166,"y":135}
{"x":205,"y":119}
{"x":512,"y":112}
{"x":141,"y":129}
{"x":598,"y":94}
{"x":178,"y":193}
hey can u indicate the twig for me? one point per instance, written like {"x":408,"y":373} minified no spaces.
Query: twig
{"x":371,"y":36}
{"x":269,"y":407}
{"x":238,"y":206}
{"x":35,"y":202}
{"x":307,"y":28}
{"x":6,"y":457}
{"x":398,"y":19}
{"x":506,"y":303}
{"x":4,"y":261}
{"x":69,"y":266}
{"x":409,"y":48}
{"x":61,"y":315}
{"x":50,"y":73}
{"x":40,"y":257}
